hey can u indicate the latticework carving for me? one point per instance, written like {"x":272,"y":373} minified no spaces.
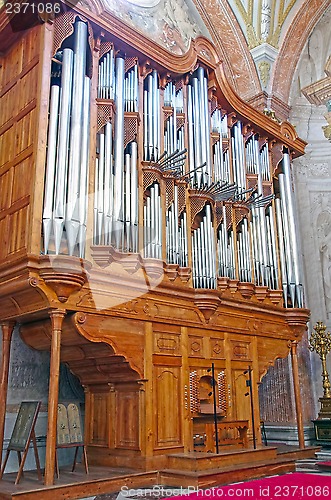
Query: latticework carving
{"x":179,"y":84}
{"x":181,"y":196}
{"x":215,"y":137}
{"x":218,"y":212}
{"x":228,"y":213}
{"x":104,"y":48}
{"x":131,"y":121}
{"x":240,"y":212}
{"x":267,"y":188}
{"x":64,"y":27}
{"x":213,"y":104}
{"x":194,"y":393}
{"x":222,"y":392}
{"x":169,"y":192}
{"x":198,"y":201}
{"x":167,"y":112}
{"x":180,"y":120}
{"x":251,"y":181}
{"x":150,"y":176}
{"x":105,"y":113}
{"x":129,"y":63}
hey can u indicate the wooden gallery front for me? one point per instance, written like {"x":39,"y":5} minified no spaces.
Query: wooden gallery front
{"x":149,"y":242}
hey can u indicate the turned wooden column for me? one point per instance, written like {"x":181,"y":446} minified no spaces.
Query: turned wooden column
{"x":57,"y":316}
{"x":297,"y":395}
{"x":7,"y":330}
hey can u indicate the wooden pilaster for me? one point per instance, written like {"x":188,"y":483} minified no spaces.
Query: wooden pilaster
{"x":7,"y":330}
{"x":57,"y":316}
{"x":297,"y":396}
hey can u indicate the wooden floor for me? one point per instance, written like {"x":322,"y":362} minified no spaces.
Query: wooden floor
{"x":185,"y":470}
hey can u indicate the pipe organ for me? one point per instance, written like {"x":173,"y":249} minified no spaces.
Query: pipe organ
{"x":242,"y":213}
{"x":150,"y":221}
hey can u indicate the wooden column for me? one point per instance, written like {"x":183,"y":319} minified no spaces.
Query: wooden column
{"x":297,"y":395}
{"x":7,"y":330}
{"x":57,"y":316}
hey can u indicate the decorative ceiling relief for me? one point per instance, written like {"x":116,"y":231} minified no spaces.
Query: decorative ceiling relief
{"x":171,"y":23}
{"x":262,"y":22}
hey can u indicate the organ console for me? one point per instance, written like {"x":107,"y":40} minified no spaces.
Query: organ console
{"x":143,"y":162}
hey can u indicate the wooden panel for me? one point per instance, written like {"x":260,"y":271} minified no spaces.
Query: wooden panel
{"x":168,"y":409}
{"x":6,"y":146}
{"x":19,"y":188}
{"x":166,"y":343}
{"x":6,"y":180}
{"x":217,"y":348}
{"x":195,"y":346}
{"x":127,"y":419}
{"x":18,"y":238}
{"x":24,"y":132}
{"x":241,"y":351}
{"x":18,"y":129}
{"x":241,"y":403}
{"x":99,"y":421}
{"x":4,"y":238}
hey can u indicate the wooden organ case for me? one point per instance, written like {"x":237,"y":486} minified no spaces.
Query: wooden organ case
{"x":148,"y":227}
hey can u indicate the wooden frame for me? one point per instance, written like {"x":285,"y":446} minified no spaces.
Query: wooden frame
{"x":22,"y":435}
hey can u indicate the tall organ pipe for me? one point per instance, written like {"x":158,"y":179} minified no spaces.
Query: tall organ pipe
{"x":51,"y":158}
{"x":282,"y":255}
{"x":292,"y":227}
{"x":83,"y":179}
{"x":287,"y":238}
{"x":109,"y":184}
{"x":134,"y":196}
{"x":62,"y":147}
{"x":118,"y":224}
{"x":72,"y":216}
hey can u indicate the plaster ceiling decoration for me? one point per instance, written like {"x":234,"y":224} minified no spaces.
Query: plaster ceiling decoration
{"x":263,"y":23}
{"x":263,"y":20}
{"x":171,"y":23}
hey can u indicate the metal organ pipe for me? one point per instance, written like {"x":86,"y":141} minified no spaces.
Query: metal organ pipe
{"x":51,"y":164}
{"x":118,"y":223}
{"x":83,"y":179}
{"x":153,"y":224}
{"x":289,"y":228}
{"x":199,"y":128}
{"x":66,"y":196}
{"x":62,"y":147}
{"x":116,"y":177}
{"x":204,"y":253}
{"x":282,"y":253}
{"x":76,"y":126}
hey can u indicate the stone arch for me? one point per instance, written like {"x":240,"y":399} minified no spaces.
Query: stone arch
{"x":293,"y":44}
{"x":232,"y":46}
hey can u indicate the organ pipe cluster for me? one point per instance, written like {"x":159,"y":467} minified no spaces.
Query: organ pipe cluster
{"x":65,"y":197}
{"x":244,"y":229}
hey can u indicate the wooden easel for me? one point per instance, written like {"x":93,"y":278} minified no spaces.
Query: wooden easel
{"x":69,"y":432}
{"x":22,"y":435}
